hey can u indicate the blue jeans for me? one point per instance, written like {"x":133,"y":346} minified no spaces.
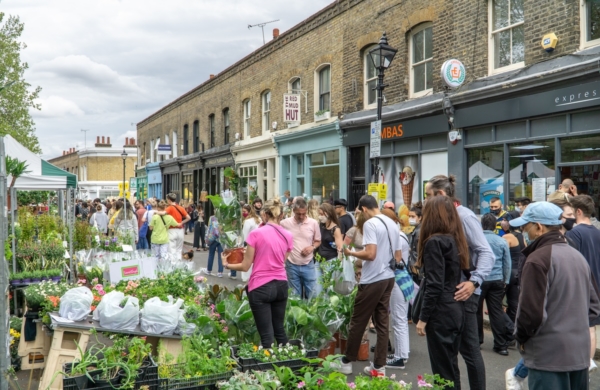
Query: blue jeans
{"x":189,"y":226}
{"x":302,"y":279}
{"x":520,"y":370}
{"x":215,"y":246}
{"x":142,"y":243}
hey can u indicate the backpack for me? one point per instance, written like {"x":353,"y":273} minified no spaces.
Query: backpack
{"x":195,"y":215}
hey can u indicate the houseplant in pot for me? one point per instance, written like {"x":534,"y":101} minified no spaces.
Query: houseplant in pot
{"x":229,"y":214}
{"x":36,"y":276}
{"x":16,"y":279}
{"x":26,"y":277}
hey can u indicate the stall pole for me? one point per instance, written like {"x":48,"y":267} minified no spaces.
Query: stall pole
{"x":70,"y":223}
{"x":61,"y":206}
{"x":4,"y":303}
{"x":13,"y":206}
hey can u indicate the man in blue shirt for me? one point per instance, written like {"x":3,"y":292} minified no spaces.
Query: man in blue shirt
{"x":500,"y":214}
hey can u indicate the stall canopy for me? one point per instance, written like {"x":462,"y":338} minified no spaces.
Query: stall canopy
{"x":42,"y":175}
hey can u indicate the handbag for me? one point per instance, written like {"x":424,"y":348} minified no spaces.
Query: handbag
{"x":418,"y":303}
{"x":392,"y":261}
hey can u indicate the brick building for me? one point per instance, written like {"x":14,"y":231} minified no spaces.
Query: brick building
{"x":99,"y":169}
{"x":498,"y":110}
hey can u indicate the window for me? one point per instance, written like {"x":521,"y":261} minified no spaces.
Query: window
{"x":421,"y":61}
{"x":196,"y":141}
{"x":211,"y":128}
{"x":590,"y":23}
{"x":531,"y":166}
{"x":325,"y":175}
{"x":486,"y":180}
{"x":266,"y":111}
{"x":151,"y":150}
{"x":247,"y":110}
{"x":186,"y":141}
{"x":325,"y":88}
{"x":226,"y":126}
{"x":155,"y":151}
{"x":507,"y":45}
{"x":295,"y":85}
{"x":370,"y":80}
{"x":175,"y":144}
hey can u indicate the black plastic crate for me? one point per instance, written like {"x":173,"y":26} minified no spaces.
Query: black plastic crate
{"x":196,"y":383}
{"x":247,"y":364}
{"x":148,"y":377}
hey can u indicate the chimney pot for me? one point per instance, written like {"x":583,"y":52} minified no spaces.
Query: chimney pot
{"x":275,"y":33}
{"x":212,"y":76}
{"x":103,"y":139}
{"x":107,"y":140}
{"x":64,"y":153}
{"x":132,"y":141}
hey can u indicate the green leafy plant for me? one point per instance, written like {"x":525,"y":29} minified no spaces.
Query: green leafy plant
{"x":15,"y":168}
{"x":229,"y":214}
{"x":321,"y":112}
{"x":273,"y":354}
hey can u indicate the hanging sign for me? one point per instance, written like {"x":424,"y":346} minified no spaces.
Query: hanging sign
{"x":164,"y":150}
{"x":453,"y":73}
{"x":291,"y":108}
{"x":375,"y":145}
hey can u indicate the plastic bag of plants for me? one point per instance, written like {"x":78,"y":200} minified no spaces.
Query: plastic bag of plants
{"x":118,"y":311}
{"x":75,"y":304}
{"x":160,"y":317}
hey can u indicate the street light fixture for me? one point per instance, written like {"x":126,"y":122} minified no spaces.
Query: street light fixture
{"x":124,"y":156}
{"x":382,"y":56}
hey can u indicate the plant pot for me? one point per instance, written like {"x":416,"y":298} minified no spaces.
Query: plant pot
{"x":56,"y":279}
{"x":332,"y":345}
{"x":343,"y":343}
{"x":36,"y":280}
{"x":26,"y":281}
{"x":44,"y":278}
{"x":236,"y":255}
{"x":104,"y":383}
{"x":81,"y":381}
{"x":336,"y":336}
{"x":323,"y":353}
{"x":16,"y":282}
{"x":363,"y":351}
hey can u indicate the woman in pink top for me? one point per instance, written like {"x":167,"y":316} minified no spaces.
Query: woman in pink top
{"x":266,"y":252}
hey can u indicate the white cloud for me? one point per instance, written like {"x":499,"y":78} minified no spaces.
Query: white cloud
{"x":500,"y":189}
{"x":57,"y":107}
{"x":485,"y":204}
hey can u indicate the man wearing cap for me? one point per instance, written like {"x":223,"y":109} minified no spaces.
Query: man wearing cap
{"x":553,"y":335}
{"x":345,"y":219}
{"x":389,"y":205}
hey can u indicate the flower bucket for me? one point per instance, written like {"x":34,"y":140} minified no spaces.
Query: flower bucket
{"x":323,"y":353}
{"x":236,"y":255}
{"x":363,"y":351}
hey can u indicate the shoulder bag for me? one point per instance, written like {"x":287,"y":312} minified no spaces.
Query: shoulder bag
{"x":418,"y":302}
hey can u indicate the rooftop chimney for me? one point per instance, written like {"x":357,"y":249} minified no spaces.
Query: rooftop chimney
{"x":132,"y":141}
{"x":212,"y":76}
{"x":275,"y":33}
{"x":64,"y":152}
{"x":103,"y":140}
{"x":108,"y":142}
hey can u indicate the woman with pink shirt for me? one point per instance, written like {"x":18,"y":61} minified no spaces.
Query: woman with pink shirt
{"x":266,"y":252}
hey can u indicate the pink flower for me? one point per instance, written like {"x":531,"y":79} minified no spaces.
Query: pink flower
{"x":101,"y":292}
{"x":98,"y":287}
{"x":225,"y":329}
{"x":320,"y":382}
{"x":352,"y":385}
{"x":420,"y":377}
{"x":301,"y":384}
{"x":217,"y":315}
{"x":422,"y":383}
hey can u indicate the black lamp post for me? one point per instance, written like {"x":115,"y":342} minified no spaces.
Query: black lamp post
{"x":382,"y":56}
{"x":124,"y":156}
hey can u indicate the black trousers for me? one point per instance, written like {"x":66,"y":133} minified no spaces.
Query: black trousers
{"x":469,"y":346}
{"x":547,"y":380}
{"x":443,"y":332}
{"x":268,"y":303}
{"x":493,"y":292}
{"x":199,"y":232}
{"x":512,"y":295}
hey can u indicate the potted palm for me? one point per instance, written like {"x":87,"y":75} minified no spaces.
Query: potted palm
{"x":229,"y":214}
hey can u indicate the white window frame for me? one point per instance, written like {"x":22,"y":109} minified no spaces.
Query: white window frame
{"x":174,"y":149}
{"x":366,"y":62}
{"x":265,"y":99}
{"x":317,"y":89}
{"x":152,"y":150}
{"x":247,"y":104}
{"x":583,"y":27}
{"x":212,"y":135}
{"x":226,"y":135}
{"x":491,"y":45}
{"x":156,"y":150}
{"x":412,"y":65}
{"x":291,"y":83}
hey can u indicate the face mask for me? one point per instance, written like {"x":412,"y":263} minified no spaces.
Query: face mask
{"x":526,"y":238}
{"x":517,"y":208}
{"x":568,"y":225}
{"x":412,"y":222}
{"x":495,"y":212}
{"x":244,"y":215}
{"x":322,"y":219}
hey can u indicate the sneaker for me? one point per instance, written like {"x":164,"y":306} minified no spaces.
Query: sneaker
{"x":206,"y":271}
{"x":341,"y":367}
{"x":372,"y":371}
{"x":232,"y":276}
{"x":593,"y":366}
{"x":220,"y":275}
{"x":513,"y":382}
{"x":393,"y":356}
{"x":395,"y":364}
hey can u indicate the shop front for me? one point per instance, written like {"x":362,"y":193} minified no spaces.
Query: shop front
{"x":191,"y":177}
{"x":412,"y":151}
{"x":313,"y":162}
{"x":89,"y":190}
{"x":171,"y":177}
{"x":141,"y":178}
{"x":255,"y":160}
{"x":527,"y":145}
{"x":215,"y":161}
{"x":154,"y":180}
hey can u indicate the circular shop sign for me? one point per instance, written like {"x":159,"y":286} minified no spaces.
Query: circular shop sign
{"x":453,"y":73}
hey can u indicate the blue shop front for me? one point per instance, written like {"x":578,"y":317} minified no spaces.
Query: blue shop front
{"x":313,"y":162}
{"x":154,"y":180}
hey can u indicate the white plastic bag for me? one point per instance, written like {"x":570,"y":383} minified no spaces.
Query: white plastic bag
{"x":345,"y":280}
{"x":112,"y":316}
{"x":246,"y":275}
{"x":160,"y":317}
{"x":75,"y":305}
{"x":184,"y":328}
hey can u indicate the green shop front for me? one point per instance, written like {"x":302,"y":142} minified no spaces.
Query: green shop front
{"x":313,"y":162}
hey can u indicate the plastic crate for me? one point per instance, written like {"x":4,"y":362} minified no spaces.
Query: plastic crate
{"x":247,"y":364}
{"x":148,"y":377}
{"x":196,"y":383}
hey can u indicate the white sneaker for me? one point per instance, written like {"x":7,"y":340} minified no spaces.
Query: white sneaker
{"x":206,"y":272}
{"x":231,"y":276}
{"x":513,"y":382}
{"x":372,"y":371}
{"x":593,"y":366}
{"x":341,"y":367}
{"x":219,"y":274}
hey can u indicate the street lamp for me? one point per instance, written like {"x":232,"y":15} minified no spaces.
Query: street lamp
{"x":124,"y":156}
{"x":382,"y":56}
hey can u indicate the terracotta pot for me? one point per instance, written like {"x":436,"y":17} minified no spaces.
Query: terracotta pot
{"x":332,"y":345}
{"x":343,"y":343}
{"x":363,"y":351}
{"x":323,"y":353}
{"x":236,"y":255}
{"x":336,"y":336}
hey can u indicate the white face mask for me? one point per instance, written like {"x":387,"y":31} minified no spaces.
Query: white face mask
{"x":322,"y":219}
{"x":412,"y":222}
{"x":517,"y":208}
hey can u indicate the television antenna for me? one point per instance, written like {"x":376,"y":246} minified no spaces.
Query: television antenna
{"x":85,"y":137}
{"x":262,"y":26}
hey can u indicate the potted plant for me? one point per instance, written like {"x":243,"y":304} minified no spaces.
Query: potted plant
{"x":321,"y":115}
{"x":36,"y":276}
{"x":55,"y":275}
{"x":45,"y":275}
{"x":16,"y":279}
{"x":229,"y":214}
{"x":83,"y":369}
{"x":26,"y":277}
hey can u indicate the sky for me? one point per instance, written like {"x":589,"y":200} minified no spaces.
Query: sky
{"x":105,"y":65}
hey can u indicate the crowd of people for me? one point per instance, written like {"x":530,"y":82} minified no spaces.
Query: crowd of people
{"x":535,"y":267}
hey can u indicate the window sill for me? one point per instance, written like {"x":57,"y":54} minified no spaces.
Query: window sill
{"x":292,"y":125}
{"x":508,"y":68}
{"x":322,"y":117}
{"x":588,"y":44}
{"x":421,"y":93}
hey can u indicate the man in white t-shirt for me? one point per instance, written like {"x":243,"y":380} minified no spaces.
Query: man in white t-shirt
{"x":375,"y":287}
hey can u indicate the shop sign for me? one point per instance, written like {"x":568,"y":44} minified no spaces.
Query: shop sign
{"x":291,"y":108}
{"x":164,"y":150}
{"x":133,"y":183}
{"x":109,"y":188}
{"x":453,"y":73}
{"x":219,"y":160}
{"x":394,"y":131}
{"x":375,"y":139}
{"x":378,"y":190}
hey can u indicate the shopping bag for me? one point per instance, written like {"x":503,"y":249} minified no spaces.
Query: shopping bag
{"x":76,"y":304}
{"x":405,"y":282}
{"x":160,"y":317}
{"x":119,"y":312}
{"x":345,"y":280}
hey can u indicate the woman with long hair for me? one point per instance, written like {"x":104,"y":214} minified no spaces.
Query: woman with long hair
{"x":443,"y":253}
{"x":267,"y":249}
{"x":199,"y":229}
{"x":125,"y":221}
{"x":251,"y":222}
{"x":332,"y":240}
{"x":313,"y":209}
{"x":415,"y":216}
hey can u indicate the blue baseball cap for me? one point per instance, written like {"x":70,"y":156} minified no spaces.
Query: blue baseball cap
{"x":545,"y":213}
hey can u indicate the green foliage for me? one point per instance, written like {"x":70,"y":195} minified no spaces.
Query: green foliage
{"x":179,"y":284}
{"x":15,"y":168}
{"x":25,"y":198}
{"x":229,"y":214}
{"x":45,"y":227}
{"x":16,"y":100}
{"x":82,"y":236}
{"x":233,"y":179}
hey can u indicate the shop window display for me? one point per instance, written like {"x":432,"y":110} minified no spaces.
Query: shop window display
{"x":404,"y":179}
{"x":325,"y":176}
{"x":531,"y":170}
{"x":486,"y":167}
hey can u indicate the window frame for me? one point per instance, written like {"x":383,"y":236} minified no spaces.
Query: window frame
{"x":491,"y":42}
{"x":186,"y":141}
{"x":247,"y":111}
{"x":265,"y":104}
{"x":174,"y":148}
{"x":317,"y":85}
{"x":583,"y":14}
{"x":418,"y":29}
{"x":366,"y":62}
{"x":291,"y":83}
{"x":196,"y":136}
{"x":211,"y":130}
{"x":226,"y":126}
